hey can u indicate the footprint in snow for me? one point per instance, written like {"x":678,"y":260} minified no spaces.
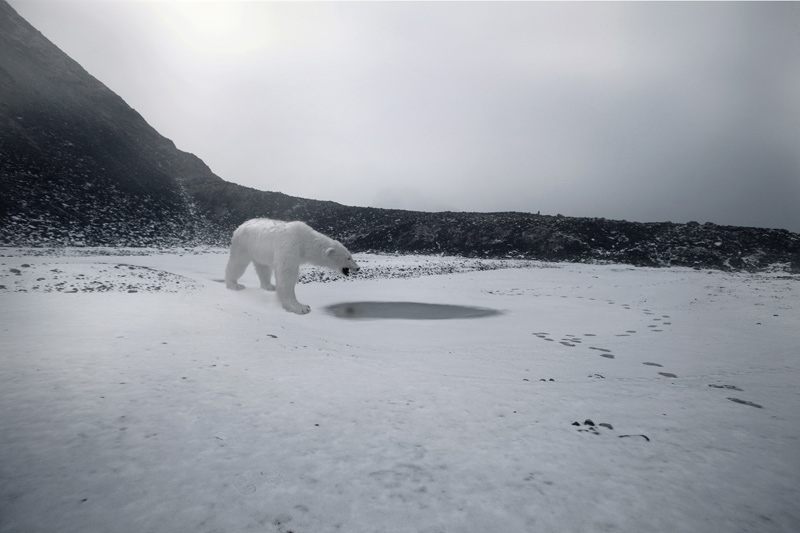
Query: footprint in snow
{"x":604,"y":352}
{"x":243,"y":484}
{"x":731,"y":387}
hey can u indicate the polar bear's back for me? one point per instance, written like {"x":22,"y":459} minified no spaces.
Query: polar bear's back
{"x":268,"y":226}
{"x":262,"y":238}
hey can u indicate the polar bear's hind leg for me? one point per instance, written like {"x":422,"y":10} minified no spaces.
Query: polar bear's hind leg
{"x":237,"y":264}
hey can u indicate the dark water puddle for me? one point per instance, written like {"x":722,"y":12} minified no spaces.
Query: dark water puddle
{"x":407,"y":310}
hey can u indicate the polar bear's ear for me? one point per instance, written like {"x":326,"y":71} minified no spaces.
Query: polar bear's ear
{"x":329,"y":251}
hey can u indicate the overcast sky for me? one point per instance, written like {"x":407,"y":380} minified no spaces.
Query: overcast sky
{"x":637,"y":111}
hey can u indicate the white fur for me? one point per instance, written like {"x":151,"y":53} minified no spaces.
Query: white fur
{"x":280,"y":248}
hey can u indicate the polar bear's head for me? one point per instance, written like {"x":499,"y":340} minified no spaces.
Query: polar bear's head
{"x":339,"y":259}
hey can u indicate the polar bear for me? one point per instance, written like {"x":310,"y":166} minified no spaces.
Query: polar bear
{"x":281,"y":247}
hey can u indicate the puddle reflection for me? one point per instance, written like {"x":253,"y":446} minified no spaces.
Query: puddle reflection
{"x":407,"y":310}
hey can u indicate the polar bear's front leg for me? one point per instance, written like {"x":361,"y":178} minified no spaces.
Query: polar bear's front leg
{"x":285,"y":280}
{"x":265,"y":276}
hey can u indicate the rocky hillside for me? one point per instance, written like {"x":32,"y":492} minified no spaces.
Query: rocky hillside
{"x":79,"y":167}
{"x":509,"y":235}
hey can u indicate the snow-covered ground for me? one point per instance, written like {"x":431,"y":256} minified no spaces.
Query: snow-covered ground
{"x":137,"y":394}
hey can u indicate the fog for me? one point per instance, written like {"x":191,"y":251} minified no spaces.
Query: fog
{"x":637,"y":111}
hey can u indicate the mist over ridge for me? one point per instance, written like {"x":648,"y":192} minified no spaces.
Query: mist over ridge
{"x":80,"y":167}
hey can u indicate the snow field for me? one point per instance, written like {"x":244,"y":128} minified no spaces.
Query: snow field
{"x":203,"y":409}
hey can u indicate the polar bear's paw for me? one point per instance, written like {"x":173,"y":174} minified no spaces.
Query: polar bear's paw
{"x":298,"y":308}
{"x":235,"y":286}
{"x":269,"y":287}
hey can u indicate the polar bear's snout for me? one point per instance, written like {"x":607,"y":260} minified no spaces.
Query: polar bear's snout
{"x":346,"y":270}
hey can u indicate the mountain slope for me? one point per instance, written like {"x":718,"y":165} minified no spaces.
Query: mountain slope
{"x":78,"y":166}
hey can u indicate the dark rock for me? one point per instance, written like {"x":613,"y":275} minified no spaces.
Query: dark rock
{"x":745,"y":402}
{"x":588,"y":422}
{"x":576,"y":423}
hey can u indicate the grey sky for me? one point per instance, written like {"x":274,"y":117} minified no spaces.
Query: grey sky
{"x":638,"y":111}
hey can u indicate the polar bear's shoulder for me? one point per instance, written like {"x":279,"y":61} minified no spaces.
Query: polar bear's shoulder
{"x":271,"y":223}
{"x":266,"y":225}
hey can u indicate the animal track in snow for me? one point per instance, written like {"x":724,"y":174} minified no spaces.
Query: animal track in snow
{"x":243,"y":484}
{"x":657,"y":324}
{"x":91,"y":277}
{"x":729,"y":387}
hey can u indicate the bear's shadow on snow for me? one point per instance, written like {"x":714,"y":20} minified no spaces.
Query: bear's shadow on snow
{"x":407,"y":310}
